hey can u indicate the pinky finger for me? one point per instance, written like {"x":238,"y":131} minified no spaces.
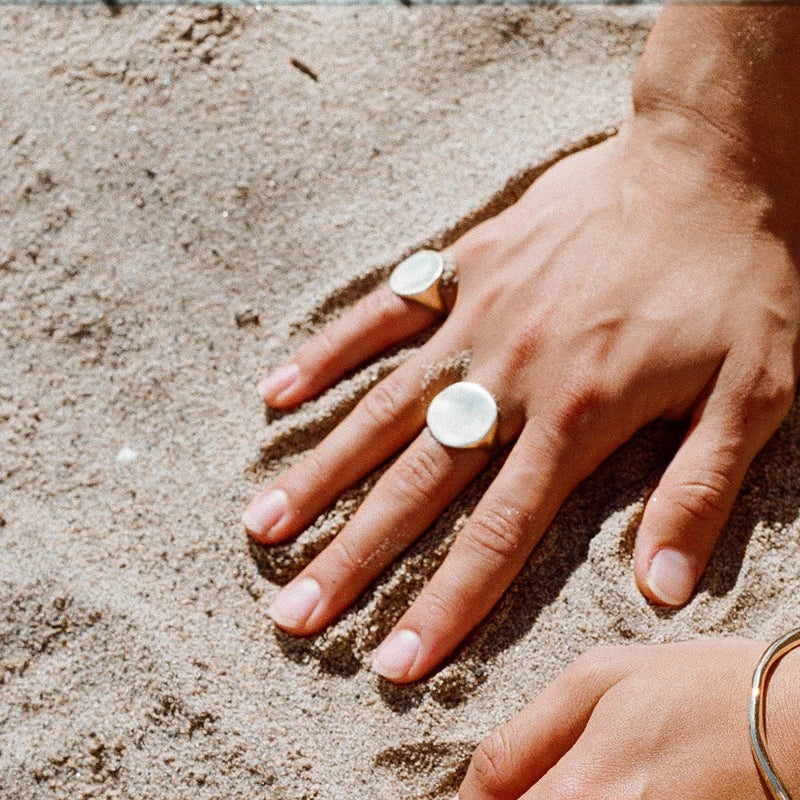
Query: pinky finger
{"x":377,"y":321}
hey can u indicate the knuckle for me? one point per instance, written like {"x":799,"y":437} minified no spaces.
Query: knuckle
{"x":346,"y":556}
{"x":523,"y":345}
{"x":493,"y":532}
{"x":784,"y":394}
{"x":320,"y":351}
{"x":484,"y":244}
{"x":593,"y":663}
{"x":492,"y":761}
{"x":432,"y":604}
{"x":579,"y":403}
{"x":485,"y":298}
{"x":313,"y":465}
{"x":326,"y":345}
{"x":769,"y":388}
{"x":774,"y":393}
{"x":703,"y":497}
{"x":380,"y":307}
{"x":594,"y":667}
{"x":417,"y":475}
{"x":381,"y":404}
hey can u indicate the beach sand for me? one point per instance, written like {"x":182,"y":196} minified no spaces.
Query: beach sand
{"x":185,"y":196}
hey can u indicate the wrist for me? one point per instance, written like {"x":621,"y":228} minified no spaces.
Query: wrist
{"x":725,"y":84}
{"x":783,"y":721}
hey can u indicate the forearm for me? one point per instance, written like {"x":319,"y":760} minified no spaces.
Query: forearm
{"x":733,"y":73}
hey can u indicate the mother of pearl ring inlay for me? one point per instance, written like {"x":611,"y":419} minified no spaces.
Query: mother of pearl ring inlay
{"x":463,"y":415}
{"x":419,"y":278}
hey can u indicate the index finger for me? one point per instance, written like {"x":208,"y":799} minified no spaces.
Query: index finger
{"x":517,"y":755}
{"x":550,"y":458}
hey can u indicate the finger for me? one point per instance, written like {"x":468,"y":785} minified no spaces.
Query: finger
{"x":686,"y":513}
{"x":578,"y":776}
{"x":542,"y":469}
{"x":404,"y":502}
{"x":385,"y":419}
{"x":520,"y":753}
{"x":377,"y":321}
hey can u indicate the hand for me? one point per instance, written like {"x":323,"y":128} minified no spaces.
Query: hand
{"x":659,"y":722}
{"x":642,"y":278}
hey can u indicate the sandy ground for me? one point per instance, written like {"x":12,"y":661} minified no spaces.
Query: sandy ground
{"x":180,"y":206}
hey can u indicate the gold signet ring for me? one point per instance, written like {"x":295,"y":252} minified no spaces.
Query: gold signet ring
{"x":419,"y":278}
{"x":463,"y":415}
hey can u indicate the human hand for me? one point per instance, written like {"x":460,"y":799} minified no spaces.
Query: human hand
{"x":645,"y":277}
{"x":629,"y":722}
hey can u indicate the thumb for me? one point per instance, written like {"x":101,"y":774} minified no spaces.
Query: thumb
{"x":685,"y":515}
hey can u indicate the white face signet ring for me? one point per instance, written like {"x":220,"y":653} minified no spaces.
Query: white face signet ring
{"x":419,"y":278}
{"x":464,"y":415}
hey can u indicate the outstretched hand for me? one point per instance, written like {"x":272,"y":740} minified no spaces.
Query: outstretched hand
{"x":661,"y":722}
{"x":643,"y":278}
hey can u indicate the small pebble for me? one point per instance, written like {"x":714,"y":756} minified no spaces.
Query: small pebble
{"x":126,"y":455}
{"x":247,"y":317}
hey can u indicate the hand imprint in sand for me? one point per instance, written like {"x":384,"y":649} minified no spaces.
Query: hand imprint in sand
{"x":645,"y":277}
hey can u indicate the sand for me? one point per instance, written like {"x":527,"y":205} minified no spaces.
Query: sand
{"x":186,"y":195}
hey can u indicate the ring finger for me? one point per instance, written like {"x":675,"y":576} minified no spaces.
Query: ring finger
{"x":548,"y":460}
{"x":385,"y":420}
{"x":405,"y":501}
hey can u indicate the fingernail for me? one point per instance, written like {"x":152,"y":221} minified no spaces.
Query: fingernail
{"x":277,"y":383}
{"x":671,"y":577}
{"x":264,"y":513}
{"x":295,"y":603}
{"x":395,"y":657}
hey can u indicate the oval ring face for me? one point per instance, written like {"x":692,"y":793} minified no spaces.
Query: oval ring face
{"x":417,"y":273}
{"x":463,"y":415}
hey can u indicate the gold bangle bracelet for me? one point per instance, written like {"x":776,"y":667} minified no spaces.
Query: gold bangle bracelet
{"x":774,"y":653}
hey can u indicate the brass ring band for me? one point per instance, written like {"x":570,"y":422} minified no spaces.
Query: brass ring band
{"x":774,"y":653}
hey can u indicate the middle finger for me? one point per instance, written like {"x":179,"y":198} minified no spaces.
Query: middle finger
{"x":548,"y":460}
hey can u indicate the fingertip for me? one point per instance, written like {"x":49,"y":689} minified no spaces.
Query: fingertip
{"x":397,"y":656}
{"x":294,"y":605}
{"x":666,"y":573}
{"x":279,"y":388}
{"x":264,"y":514}
{"x":262,"y":387}
{"x":671,"y":578}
